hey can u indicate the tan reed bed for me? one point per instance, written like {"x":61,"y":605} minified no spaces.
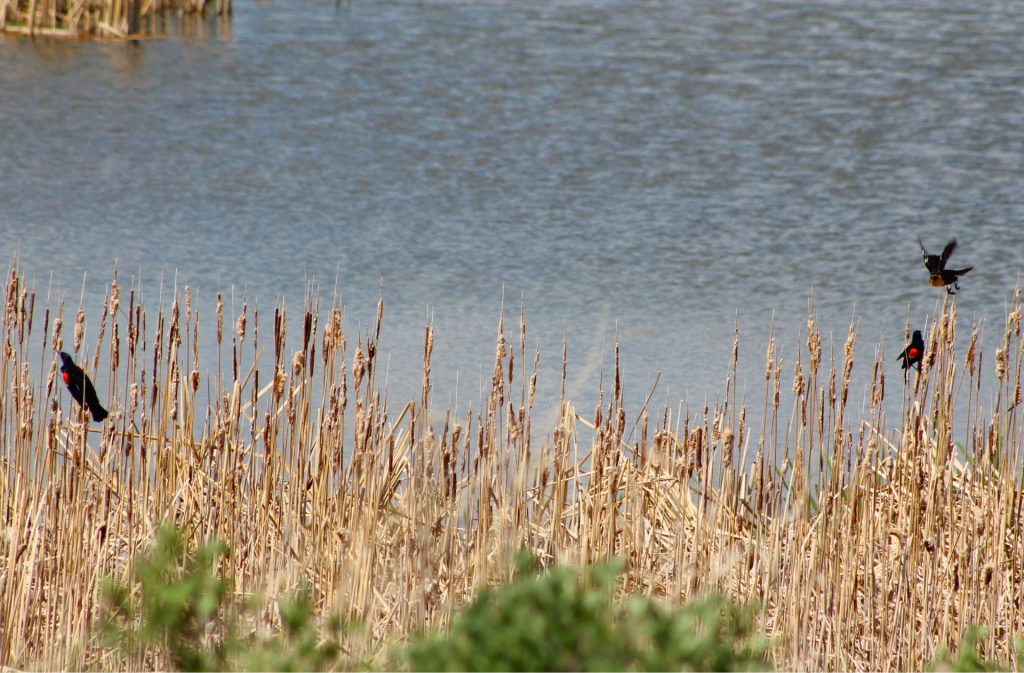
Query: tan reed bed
{"x":116,"y":19}
{"x":867,"y":550}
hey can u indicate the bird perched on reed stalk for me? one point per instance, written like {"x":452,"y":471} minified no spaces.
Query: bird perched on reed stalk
{"x":938,"y":274}
{"x":912,"y":354}
{"x":81,"y":387}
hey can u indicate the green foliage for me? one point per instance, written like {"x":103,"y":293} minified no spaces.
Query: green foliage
{"x":180,"y":596}
{"x":298,"y":647}
{"x":179,"y":607}
{"x":968,"y":658}
{"x":567,"y":620}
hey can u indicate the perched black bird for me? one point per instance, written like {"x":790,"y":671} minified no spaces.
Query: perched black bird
{"x":938,"y":274}
{"x":80,"y":386}
{"x":912,"y":354}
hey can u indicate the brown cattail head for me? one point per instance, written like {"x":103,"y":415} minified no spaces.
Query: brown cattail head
{"x":220,"y":317}
{"x":813,"y":343}
{"x":115,"y":296}
{"x":279,"y":380}
{"x":115,"y":347}
{"x":79,"y":327}
{"x":10,"y":305}
{"x":358,"y":366}
{"x":240,"y":324}
{"x":58,"y":325}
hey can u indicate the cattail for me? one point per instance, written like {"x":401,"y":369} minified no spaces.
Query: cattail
{"x":115,"y":296}
{"x":58,"y":325}
{"x":79,"y":327}
{"x":220,"y":317}
{"x":727,"y":444}
{"x":971,"y":348}
{"x":798,"y":378}
{"x":174,"y":337}
{"x":380,"y":317}
{"x":51,"y":376}
{"x":1000,"y":363}
{"x":851,"y":339}
{"x":298,"y":362}
{"x":132,"y":327}
{"x":10,"y":306}
{"x":735,"y":347}
{"x":777,"y":387}
{"x":194,"y":380}
{"x":240,"y":325}
{"x":115,"y":347}
{"x":358,"y":366}
{"x":769,"y":358}
{"x":501,"y":351}
{"x":279,"y":380}
{"x":813,"y":344}
{"x":23,"y":308}
{"x":1015,"y":314}
{"x":332,"y":333}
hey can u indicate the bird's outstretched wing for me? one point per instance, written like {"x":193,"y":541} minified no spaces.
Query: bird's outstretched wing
{"x":948,"y":251}
{"x":930,"y":261}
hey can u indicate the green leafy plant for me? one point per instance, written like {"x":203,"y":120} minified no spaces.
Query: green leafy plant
{"x":567,"y":619}
{"x":179,"y":608}
{"x":179,"y":597}
{"x":299,"y":646}
{"x":968,"y":658}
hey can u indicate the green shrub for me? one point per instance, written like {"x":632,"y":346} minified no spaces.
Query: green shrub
{"x":967,"y":658}
{"x":179,"y":608}
{"x":567,"y":620}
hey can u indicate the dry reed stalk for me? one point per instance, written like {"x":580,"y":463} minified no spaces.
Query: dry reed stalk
{"x":867,"y":544}
{"x":117,"y":19}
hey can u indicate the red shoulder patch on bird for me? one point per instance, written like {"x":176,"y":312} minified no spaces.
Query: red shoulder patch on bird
{"x":65,"y":375}
{"x":912,"y":352}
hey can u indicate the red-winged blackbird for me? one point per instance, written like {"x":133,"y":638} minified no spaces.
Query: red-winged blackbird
{"x":912,"y":354}
{"x":938,"y":274}
{"x":78,"y":383}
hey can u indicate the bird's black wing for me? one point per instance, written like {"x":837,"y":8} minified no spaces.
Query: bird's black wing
{"x":93,"y":400}
{"x":947,"y":252}
{"x":930,"y":261}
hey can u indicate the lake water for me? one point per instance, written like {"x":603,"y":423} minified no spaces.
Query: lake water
{"x":657,"y":170}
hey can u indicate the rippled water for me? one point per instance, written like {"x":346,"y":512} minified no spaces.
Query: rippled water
{"x":658,"y":169}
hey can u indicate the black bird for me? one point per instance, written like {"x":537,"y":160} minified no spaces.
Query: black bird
{"x":938,"y":274}
{"x":912,"y":354}
{"x":80,"y":386}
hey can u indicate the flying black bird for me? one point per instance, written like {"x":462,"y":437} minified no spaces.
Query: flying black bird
{"x":80,"y":386}
{"x":938,"y":274}
{"x":911,"y":355}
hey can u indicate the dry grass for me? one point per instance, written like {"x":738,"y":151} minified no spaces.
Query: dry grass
{"x":117,"y":19}
{"x":867,"y":547}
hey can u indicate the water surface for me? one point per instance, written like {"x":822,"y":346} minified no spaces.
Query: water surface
{"x":656,"y":170}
